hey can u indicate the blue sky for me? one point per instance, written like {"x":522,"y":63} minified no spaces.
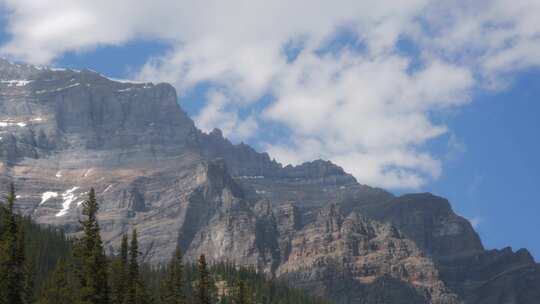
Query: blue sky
{"x":412,"y":97}
{"x":496,"y":178}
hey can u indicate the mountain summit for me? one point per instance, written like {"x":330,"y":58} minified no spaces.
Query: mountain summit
{"x":63,"y":131}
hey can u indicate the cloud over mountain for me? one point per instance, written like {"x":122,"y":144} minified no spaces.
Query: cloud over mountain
{"x":356,"y":82}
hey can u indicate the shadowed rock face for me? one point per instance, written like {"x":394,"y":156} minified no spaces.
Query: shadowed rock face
{"x":363,"y":252}
{"x":64,"y":131}
{"x":430,"y":222}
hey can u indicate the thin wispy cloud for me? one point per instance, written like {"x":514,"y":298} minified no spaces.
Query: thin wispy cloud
{"x":365,"y":105}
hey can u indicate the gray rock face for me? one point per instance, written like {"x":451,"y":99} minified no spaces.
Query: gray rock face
{"x":495,"y":276}
{"x":364,"y":253}
{"x":64,"y":131}
{"x":430,"y":222}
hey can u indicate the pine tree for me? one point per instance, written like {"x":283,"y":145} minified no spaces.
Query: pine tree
{"x":132,"y":270}
{"x":12,"y":258}
{"x":173,"y":286}
{"x":135,"y":289}
{"x":241,"y":293}
{"x":124,"y":251}
{"x":57,"y":289}
{"x":203,"y":283}
{"x":119,"y":273}
{"x":25,"y":275}
{"x":90,"y":257}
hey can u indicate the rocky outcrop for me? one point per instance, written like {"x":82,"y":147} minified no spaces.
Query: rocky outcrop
{"x":430,"y":222}
{"x":64,"y":131}
{"x":365,"y":254}
{"x":494,"y":276}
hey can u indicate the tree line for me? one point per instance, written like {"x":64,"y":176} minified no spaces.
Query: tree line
{"x":41,"y":265}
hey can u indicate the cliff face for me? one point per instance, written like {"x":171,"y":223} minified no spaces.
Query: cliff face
{"x":430,"y":222}
{"x":64,"y":131}
{"x":361,"y":252}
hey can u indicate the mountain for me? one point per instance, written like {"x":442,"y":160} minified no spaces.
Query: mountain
{"x":63,"y":131}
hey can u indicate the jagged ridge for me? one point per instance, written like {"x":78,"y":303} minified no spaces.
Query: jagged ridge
{"x":63,"y":131}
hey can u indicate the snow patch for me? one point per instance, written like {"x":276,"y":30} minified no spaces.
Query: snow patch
{"x":21,"y":124}
{"x":62,"y":69}
{"x":59,"y":89}
{"x":107,"y":189}
{"x":47,"y":196}
{"x":68,"y":197}
{"x":69,"y":86}
{"x":16,"y":82}
{"x":10,"y":123}
{"x":87,"y":172}
{"x":124,"y":80}
{"x":250,"y":177}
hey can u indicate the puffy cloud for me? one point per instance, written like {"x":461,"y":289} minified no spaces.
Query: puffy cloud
{"x":366,"y":114}
{"x":362,"y":102}
{"x":216,"y":115}
{"x":476,"y":221}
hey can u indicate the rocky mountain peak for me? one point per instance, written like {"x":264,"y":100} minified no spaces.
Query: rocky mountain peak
{"x":65,"y":131}
{"x":430,"y":221}
{"x":57,"y":110}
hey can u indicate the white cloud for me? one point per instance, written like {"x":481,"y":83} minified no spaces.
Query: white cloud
{"x":367,"y":110}
{"x":366,"y":114}
{"x":215,"y":115}
{"x":476,"y":221}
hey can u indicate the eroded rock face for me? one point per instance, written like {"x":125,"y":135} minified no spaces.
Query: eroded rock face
{"x":430,"y":222}
{"x":64,"y":131}
{"x":363,"y":252}
{"x":494,"y":276}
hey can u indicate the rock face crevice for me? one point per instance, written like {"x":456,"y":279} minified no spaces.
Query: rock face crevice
{"x":64,"y":131}
{"x":365,"y":252}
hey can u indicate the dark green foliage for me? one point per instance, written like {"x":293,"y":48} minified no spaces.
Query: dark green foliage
{"x":172,"y":288}
{"x":258,"y":288}
{"x":242,"y":294}
{"x":132,"y":270}
{"x":15,"y":276}
{"x":44,"y":246}
{"x":89,"y":257}
{"x":203,"y":282}
{"x":119,"y":275}
{"x":57,"y":289}
{"x":135,"y":290}
{"x":79,"y":272}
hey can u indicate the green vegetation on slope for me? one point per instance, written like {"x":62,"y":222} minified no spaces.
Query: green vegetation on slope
{"x":41,"y":265}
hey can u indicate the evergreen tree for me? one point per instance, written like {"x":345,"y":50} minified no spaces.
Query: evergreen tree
{"x":90,"y":257}
{"x":135,"y":289}
{"x":241,"y":293}
{"x":132,"y":270}
{"x":57,"y":289}
{"x":203,"y":283}
{"x":12,"y":258}
{"x":124,"y":251}
{"x":25,"y":273}
{"x":173,"y":286}
{"x":119,"y":275}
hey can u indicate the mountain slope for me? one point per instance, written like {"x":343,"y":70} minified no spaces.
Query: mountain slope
{"x":64,"y":131}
